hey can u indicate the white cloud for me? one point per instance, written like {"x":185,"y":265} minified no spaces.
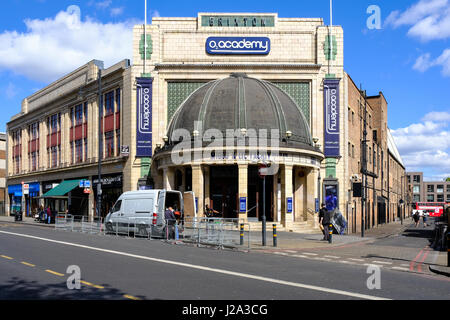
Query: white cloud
{"x":55,"y":46}
{"x":425,"y":146}
{"x":100,"y":4}
{"x":424,"y":62}
{"x":116,"y":11}
{"x":10,"y":90}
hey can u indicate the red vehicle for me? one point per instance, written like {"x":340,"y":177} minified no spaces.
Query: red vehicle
{"x":435,"y":209}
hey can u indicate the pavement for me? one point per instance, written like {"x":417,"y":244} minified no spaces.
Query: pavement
{"x":290,"y":241}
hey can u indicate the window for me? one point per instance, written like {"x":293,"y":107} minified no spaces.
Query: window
{"x":430,"y":197}
{"x":349,"y":149}
{"x":409,"y":179}
{"x":416,"y":198}
{"x":440,"y":188}
{"x":353,"y":151}
{"x":72,"y":153}
{"x":416,"y":189}
{"x":34,"y":131}
{"x":416,"y":179}
{"x":85,"y":112}
{"x":79,"y":151}
{"x":54,"y":123}
{"x":109,"y":144}
{"x":440,"y":198}
{"x":118,"y":99}
{"x":430,"y":188}
{"x":448,"y":188}
{"x":79,"y":114}
{"x":85,"y":150}
{"x":54,"y":156}
{"x":109,"y":103}
{"x":448,"y":197}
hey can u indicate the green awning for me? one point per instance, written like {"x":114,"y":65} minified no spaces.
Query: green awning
{"x":62,"y":189}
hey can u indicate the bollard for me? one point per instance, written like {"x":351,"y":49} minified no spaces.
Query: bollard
{"x":242,"y":234}
{"x":275,"y":244}
{"x":330,"y":236}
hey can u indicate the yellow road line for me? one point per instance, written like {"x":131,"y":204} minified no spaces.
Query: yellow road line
{"x":55,"y":273}
{"x":28,"y":264}
{"x":91,"y":284}
{"x":130,"y":297}
{"x":6,"y":257}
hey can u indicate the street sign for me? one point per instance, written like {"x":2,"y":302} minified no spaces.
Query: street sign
{"x":87,"y":191}
{"x":125,"y":151}
{"x":26,"y":188}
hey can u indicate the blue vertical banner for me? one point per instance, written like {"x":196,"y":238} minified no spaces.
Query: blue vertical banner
{"x":144,"y":117}
{"x":331,"y":121}
{"x":243,"y":205}
{"x":289,"y":205}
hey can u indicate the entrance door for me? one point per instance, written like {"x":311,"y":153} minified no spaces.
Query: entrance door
{"x":224,"y":190}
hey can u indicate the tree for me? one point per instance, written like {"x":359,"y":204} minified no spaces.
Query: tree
{"x":448,"y":179}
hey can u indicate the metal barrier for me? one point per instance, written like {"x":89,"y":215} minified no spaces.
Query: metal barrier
{"x":215,"y":231}
{"x":208,"y":231}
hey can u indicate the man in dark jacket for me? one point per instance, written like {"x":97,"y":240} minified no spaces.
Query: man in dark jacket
{"x":169,"y":215}
{"x":325,"y":220}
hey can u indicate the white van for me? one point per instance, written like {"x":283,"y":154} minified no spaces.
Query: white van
{"x":142,"y":212}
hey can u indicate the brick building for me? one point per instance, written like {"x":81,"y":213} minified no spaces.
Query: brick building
{"x":427,"y":191}
{"x":2,"y":172}
{"x":212,"y":68}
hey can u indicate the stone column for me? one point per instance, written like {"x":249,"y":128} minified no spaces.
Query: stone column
{"x":300,"y":195}
{"x":286,"y":192}
{"x":311,"y":188}
{"x":243,"y":189}
{"x":198,"y":187}
{"x":168,"y":179}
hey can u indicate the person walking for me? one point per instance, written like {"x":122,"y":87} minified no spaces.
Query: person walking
{"x":416,"y":217}
{"x":170,"y":217}
{"x":326,"y":220}
{"x":424,"y":217}
{"x":321,"y":215}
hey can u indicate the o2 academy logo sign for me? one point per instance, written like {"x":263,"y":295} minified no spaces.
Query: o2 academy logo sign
{"x":238,"y":45}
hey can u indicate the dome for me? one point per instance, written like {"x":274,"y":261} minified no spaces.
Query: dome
{"x":239,"y":102}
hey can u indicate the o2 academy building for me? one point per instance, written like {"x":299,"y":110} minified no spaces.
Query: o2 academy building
{"x":232,"y":93}
{"x":208,"y":101}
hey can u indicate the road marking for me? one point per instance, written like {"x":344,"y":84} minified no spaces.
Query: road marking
{"x":310,"y":254}
{"x":359,"y":260}
{"x":28,"y":264}
{"x":373,"y":264}
{"x":382,"y":262}
{"x":332,"y":257}
{"x":6,"y":257}
{"x":209,"y":269}
{"x":321,"y":259}
{"x":130,"y":297}
{"x":300,"y":256}
{"x":290,"y":251}
{"x":91,"y":284}
{"x":281,"y":253}
{"x":400,"y":268}
{"x":54,"y":272}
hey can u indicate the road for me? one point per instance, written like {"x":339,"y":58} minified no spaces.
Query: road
{"x":34,"y":262}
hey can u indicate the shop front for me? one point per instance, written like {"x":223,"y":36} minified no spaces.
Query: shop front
{"x":112,"y":188}
{"x":15,"y":194}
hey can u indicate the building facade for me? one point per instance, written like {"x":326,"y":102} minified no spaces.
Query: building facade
{"x":214,"y":73}
{"x":427,"y":191}
{"x":2,"y":173}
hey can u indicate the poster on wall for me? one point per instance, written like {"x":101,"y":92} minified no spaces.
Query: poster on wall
{"x":144,"y":117}
{"x":331,"y":121}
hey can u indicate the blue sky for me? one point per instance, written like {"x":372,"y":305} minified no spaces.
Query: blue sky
{"x":408,"y":59}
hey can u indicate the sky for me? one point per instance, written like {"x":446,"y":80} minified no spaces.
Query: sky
{"x":401,"y":48}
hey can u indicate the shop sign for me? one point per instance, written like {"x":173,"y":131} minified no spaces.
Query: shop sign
{"x":331,"y":121}
{"x":125,"y":151}
{"x":289,"y":205}
{"x":238,"y":45}
{"x":144,"y":117}
{"x":238,"y":21}
{"x":26,"y":189}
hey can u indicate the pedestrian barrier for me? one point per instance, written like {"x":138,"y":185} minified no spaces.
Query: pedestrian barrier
{"x":218,"y":232}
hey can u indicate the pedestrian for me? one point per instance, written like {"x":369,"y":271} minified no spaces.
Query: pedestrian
{"x":424,"y":217}
{"x":170,"y":217}
{"x":49,"y":215}
{"x":321,"y":215}
{"x":416,"y":217}
{"x":326,"y":220}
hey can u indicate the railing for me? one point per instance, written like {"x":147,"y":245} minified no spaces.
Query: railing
{"x":201,"y":231}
